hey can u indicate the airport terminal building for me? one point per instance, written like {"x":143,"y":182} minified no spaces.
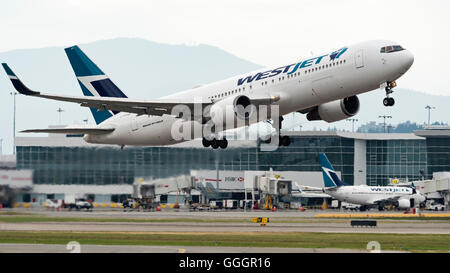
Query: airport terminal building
{"x":371,"y":159}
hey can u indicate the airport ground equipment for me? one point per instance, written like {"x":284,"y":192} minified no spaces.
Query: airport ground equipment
{"x":363,"y":223}
{"x":147,"y":191}
{"x":433,"y":205}
{"x":7,"y":196}
{"x":274,"y":191}
{"x":144,"y":194}
{"x":261,"y":220}
{"x":78,"y":202}
{"x":129,"y":203}
{"x":81,"y":203}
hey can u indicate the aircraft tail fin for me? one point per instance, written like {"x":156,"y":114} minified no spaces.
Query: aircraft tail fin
{"x":330,"y":178}
{"x":93,"y":81}
{"x":413,"y":188}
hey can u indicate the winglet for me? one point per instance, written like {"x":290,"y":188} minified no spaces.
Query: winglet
{"x":18,"y":85}
{"x":330,"y":178}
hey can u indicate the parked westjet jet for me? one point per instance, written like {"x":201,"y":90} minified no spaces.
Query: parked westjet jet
{"x":323,"y":87}
{"x":367,"y":196}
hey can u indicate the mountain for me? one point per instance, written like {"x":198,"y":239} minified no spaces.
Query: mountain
{"x":144,"y":70}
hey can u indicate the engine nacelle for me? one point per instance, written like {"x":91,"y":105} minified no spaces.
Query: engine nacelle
{"x":228,"y":109}
{"x":403,"y":204}
{"x":335,"y":110}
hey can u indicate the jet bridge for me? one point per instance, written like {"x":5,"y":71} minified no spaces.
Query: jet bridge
{"x":436,"y":188}
{"x":274,"y":191}
{"x":147,"y":191}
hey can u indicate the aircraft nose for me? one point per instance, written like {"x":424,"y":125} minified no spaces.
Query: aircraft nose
{"x":408,"y":59}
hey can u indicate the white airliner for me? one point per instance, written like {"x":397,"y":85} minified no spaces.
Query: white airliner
{"x":323,"y":87}
{"x":368,"y":196}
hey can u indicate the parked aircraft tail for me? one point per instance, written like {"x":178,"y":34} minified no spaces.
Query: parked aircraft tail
{"x":330,"y":178}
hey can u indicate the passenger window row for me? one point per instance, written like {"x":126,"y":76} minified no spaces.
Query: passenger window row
{"x":225,"y":94}
{"x":311,"y":70}
{"x":325,"y":66}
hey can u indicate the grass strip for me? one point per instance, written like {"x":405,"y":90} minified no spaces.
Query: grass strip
{"x":410,"y":242}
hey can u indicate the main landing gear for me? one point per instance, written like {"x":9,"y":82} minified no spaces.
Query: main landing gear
{"x":282,"y":140}
{"x":215,"y":143}
{"x":388,"y":101}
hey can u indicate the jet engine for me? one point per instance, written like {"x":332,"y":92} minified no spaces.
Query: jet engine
{"x":335,"y":110}
{"x":403,"y":204}
{"x":239,"y":106}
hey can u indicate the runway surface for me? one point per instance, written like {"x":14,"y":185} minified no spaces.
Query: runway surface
{"x":183,"y":213}
{"x":383,"y":227}
{"x":282,"y":221}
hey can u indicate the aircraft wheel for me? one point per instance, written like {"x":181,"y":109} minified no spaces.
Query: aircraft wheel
{"x":215,"y":144}
{"x":223,"y":143}
{"x":391,"y":101}
{"x":388,"y":101}
{"x":285,"y":140}
{"x":206,"y":143}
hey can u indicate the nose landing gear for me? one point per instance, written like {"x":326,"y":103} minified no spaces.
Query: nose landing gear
{"x":388,"y":101}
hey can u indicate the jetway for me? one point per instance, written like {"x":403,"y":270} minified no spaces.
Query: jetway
{"x":147,"y":191}
{"x":273,"y":190}
{"x":436,"y":188}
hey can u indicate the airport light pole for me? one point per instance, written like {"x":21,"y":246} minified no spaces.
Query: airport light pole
{"x":389,"y":127}
{"x":353,"y":120}
{"x":60,"y":111}
{"x":14,"y":94}
{"x":384,"y":121}
{"x":429,"y":108}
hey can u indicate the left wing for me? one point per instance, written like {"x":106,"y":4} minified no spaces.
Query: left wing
{"x":140,"y":107}
{"x":72,"y":130}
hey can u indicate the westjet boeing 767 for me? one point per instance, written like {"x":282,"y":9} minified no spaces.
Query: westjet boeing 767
{"x":324,"y":87}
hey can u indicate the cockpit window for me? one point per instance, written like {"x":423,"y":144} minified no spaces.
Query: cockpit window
{"x":389,"y":49}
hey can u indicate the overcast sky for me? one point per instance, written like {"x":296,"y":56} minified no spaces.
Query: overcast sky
{"x":265,"y":32}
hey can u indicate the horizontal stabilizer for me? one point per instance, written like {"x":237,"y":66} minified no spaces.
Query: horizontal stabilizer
{"x":80,"y":130}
